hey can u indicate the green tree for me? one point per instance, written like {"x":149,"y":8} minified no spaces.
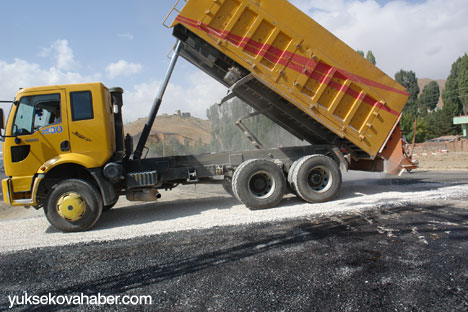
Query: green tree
{"x":407,"y":124}
{"x":463,"y":83}
{"x":408,"y":80}
{"x":429,"y":97}
{"x":440,"y":124}
{"x":370,"y":57}
{"x":451,"y":95}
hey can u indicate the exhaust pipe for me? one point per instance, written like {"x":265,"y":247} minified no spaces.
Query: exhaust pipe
{"x":117,"y":102}
{"x":147,"y":195}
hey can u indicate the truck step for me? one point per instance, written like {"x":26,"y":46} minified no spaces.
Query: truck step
{"x":142,"y":179}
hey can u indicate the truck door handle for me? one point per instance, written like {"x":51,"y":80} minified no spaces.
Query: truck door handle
{"x":65,"y":146}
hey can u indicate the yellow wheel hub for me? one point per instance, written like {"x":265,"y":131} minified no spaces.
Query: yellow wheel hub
{"x":71,"y":206}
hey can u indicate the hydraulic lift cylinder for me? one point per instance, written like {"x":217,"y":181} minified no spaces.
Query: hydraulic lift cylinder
{"x":156,"y":104}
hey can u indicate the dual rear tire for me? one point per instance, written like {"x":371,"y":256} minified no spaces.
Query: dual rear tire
{"x":260,"y":183}
{"x":315,"y":178}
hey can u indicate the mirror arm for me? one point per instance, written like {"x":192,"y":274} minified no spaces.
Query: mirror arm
{"x":17,"y":140}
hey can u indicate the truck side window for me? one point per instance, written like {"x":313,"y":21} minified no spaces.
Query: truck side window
{"x":35,"y":112}
{"x":47,"y":113}
{"x":81,"y":105}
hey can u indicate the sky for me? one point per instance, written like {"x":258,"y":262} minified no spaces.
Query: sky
{"x":123,"y":43}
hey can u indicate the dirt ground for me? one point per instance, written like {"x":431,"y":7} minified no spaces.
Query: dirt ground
{"x":442,"y":161}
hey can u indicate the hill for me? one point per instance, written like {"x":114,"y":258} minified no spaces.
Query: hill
{"x":187,"y":130}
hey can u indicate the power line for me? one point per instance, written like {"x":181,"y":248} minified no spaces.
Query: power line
{"x":447,"y":99}
{"x":455,"y":90}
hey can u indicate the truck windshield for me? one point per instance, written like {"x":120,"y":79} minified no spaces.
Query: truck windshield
{"x":36,"y":111}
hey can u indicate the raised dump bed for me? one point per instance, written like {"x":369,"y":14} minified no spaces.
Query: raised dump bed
{"x":294,"y":71}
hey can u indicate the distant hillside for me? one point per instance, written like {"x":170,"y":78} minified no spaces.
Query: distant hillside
{"x":184,"y":129}
{"x":425,"y":81}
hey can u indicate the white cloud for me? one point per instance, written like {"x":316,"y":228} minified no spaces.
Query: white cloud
{"x":126,"y":35}
{"x":426,"y":37}
{"x":61,"y":53}
{"x":201,"y":92}
{"x":122,"y":68}
{"x":22,"y":74}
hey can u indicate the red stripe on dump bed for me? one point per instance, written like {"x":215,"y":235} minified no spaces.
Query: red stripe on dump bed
{"x":298,"y":63}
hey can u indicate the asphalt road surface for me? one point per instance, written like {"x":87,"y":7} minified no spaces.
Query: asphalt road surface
{"x":398,"y":258}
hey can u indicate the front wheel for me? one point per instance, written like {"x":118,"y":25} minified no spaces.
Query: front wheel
{"x":73,"y":205}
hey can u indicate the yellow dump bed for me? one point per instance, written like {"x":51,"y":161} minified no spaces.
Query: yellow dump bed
{"x":296,"y":72}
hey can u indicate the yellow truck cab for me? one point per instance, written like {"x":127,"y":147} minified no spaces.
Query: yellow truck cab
{"x":56,"y":133}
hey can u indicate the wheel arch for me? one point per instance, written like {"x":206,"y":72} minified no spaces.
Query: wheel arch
{"x":70,"y":170}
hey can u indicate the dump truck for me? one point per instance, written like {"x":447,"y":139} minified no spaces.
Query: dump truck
{"x":65,"y":149}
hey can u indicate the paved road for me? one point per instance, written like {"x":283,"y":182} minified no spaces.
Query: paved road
{"x":408,"y":258}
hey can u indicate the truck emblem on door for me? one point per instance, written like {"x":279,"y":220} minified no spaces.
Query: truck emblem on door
{"x":52,"y":130}
{"x":79,"y":135}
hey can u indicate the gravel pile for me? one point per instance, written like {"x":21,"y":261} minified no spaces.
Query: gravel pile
{"x":203,"y":207}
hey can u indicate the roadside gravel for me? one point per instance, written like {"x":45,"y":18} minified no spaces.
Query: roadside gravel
{"x":207,"y":206}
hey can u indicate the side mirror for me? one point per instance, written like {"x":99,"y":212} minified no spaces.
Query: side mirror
{"x":2,"y":125}
{"x":2,"y":119}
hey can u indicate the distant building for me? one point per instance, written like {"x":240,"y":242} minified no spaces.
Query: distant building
{"x":182,"y":114}
{"x":463,"y":121}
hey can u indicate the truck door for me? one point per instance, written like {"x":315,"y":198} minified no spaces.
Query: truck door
{"x":39,"y":132}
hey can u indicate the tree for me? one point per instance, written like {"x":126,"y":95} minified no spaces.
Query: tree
{"x":429,"y":97}
{"x":451,"y":96}
{"x":407,"y":124}
{"x":370,"y":57}
{"x":463,"y":83}
{"x":440,"y":124}
{"x":408,"y":80}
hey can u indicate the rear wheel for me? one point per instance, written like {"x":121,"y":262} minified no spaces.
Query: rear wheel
{"x":290,"y":173}
{"x":73,"y":205}
{"x":258,"y":184}
{"x":316,"y":178}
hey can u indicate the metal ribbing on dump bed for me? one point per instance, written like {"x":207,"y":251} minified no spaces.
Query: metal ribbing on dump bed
{"x":258,"y":95}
